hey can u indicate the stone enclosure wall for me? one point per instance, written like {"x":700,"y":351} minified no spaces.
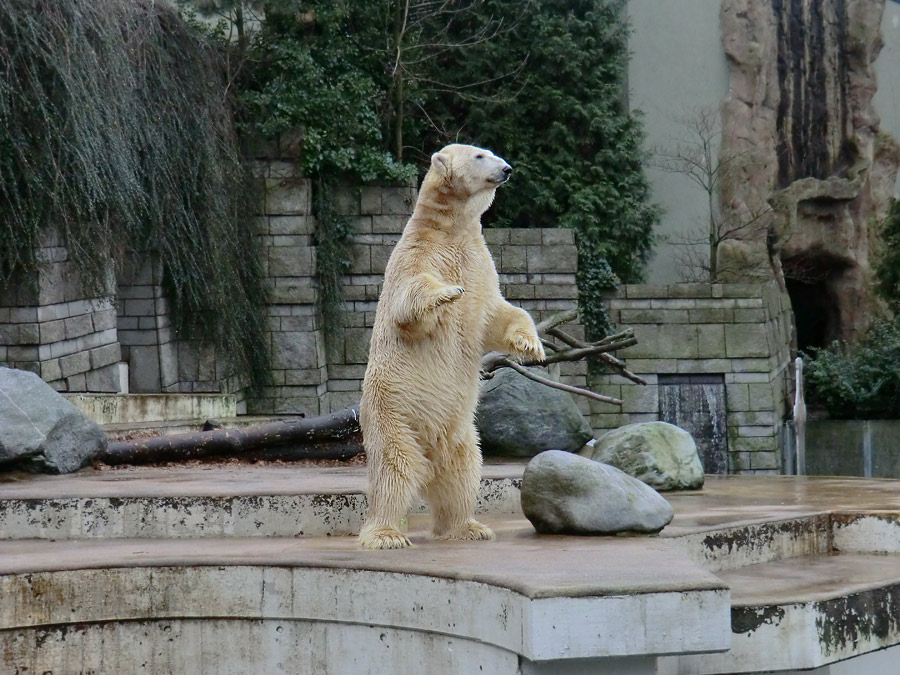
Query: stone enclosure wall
{"x":716,"y":358}
{"x":537,"y":272}
{"x":728,"y":344}
{"x":51,"y":325}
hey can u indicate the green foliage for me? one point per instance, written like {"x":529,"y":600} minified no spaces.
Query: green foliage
{"x":313,"y":79}
{"x":887,"y":269}
{"x":860,"y":380}
{"x":563,"y":124}
{"x":316,"y":76}
{"x":541,"y":82}
{"x":115,"y":127}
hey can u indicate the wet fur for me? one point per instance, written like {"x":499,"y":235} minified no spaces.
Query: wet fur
{"x":440,"y":310}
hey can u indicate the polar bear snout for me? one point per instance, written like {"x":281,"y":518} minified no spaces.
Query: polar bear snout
{"x":502,"y":174}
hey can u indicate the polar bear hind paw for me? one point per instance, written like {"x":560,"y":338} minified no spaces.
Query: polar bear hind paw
{"x":471,"y":531}
{"x":383,"y":538}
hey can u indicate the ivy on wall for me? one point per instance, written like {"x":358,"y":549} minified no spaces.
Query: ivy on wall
{"x":115,"y":127}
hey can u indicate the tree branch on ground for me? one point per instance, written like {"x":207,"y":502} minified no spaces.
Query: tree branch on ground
{"x":572,"y":349}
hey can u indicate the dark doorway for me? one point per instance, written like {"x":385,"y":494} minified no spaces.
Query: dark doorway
{"x":696,"y":403}
{"x":815,"y":312}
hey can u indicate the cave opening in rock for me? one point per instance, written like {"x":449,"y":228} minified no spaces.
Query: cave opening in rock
{"x":811,"y":285}
{"x":814,"y":313}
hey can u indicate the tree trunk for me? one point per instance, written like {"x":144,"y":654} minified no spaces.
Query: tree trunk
{"x":335,"y":436}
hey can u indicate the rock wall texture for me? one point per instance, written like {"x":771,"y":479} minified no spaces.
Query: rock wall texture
{"x":799,"y":114}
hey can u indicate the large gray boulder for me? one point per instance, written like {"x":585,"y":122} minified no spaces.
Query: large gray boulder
{"x":658,"y":453}
{"x":564,"y":493}
{"x":40,"y":430}
{"x":519,"y":417}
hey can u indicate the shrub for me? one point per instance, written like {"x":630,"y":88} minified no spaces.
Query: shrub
{"x":564,"y":125}
{"x":859,"y":380}
{"x":887,"y":269}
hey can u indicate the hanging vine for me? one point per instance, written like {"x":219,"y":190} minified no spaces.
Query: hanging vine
{"x":115,"y":127}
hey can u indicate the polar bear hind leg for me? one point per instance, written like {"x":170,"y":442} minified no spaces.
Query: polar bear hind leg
{"x":453,"y":489}
{"x":397,"y":470}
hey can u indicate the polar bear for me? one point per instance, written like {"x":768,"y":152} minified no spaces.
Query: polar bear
{"x":440,"y":310}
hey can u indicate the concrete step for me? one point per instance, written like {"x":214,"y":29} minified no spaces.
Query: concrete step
{"x":732,"y":523}
{"x":807,"y":612}
{"x":236,"y":500}
{"x":137,"y":408}
{"x":554,"y":604}
{"x":519,"y":604}
{"x":128,"y":430}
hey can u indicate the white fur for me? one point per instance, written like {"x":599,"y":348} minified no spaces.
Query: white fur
{"x":440,"y":310}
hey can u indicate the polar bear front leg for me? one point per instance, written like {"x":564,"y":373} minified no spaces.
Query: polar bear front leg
{"x":453,"y":489}
{"x":423,"y":294}
{"x":512,"y":330}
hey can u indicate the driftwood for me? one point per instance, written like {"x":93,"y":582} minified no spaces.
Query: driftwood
{"x":334,"y":436}
{"x":337,"y":436}
{"x":572,"y":349}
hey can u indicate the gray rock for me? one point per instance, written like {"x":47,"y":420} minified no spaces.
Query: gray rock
{"x":564,"y":493}
{"x":42,"y":431}
{"x":658,"y":453}
{"x":519,"y":417}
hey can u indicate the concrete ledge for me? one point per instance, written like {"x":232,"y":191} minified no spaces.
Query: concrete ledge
{"x":157,"y":503}
{"x":507,"y":600}
{"x":806,"y":613}
{"x":120,"y":408}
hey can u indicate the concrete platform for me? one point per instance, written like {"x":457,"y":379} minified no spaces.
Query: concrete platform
{"x":754,"y":574}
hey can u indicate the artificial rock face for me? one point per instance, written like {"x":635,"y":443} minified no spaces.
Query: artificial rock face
{"x":800,"y":114}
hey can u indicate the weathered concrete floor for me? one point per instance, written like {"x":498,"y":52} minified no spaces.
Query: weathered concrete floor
{"x":518,"y":558}
{"x":763,"y":548}
{"x":723,"y":500}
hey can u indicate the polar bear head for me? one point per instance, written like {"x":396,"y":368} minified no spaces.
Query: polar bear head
{"x":468,"y":173}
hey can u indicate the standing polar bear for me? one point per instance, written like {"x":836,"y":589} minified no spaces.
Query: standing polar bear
{"x":440,"y":310}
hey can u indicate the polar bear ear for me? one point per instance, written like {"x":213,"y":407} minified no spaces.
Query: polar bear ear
{"x":440,"y":161}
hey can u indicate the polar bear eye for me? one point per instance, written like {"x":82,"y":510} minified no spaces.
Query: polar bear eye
{"x":479,"y":156}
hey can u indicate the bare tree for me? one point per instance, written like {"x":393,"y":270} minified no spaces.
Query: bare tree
{"x":697,"y":156}
{"x":423,"y":30}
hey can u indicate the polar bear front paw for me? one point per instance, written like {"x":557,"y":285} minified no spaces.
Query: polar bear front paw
{"x":449,"y":294}
{"x":528,"y":346}
{"x":471,"y":531}
{"x":383,"y":538}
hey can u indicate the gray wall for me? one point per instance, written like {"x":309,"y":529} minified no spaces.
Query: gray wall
{"x":887,"y":67}
{"x":677,"y":64}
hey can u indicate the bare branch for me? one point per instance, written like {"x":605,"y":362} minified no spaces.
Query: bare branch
{"x":522,"y":370}
{"x":556,"y":320}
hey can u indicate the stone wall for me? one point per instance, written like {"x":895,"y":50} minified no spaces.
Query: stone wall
{"x":157,"y":361}
{"x":537,"y":272}
{"x":52,"y":326}
{"x":738,"y":334}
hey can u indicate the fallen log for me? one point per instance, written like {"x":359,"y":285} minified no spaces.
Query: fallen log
{"x":334,"y":436}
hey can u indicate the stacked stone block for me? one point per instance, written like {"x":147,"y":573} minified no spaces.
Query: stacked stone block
{"x":739,"y":331}
{"x":285,"y":229}
{"x":537,"y":273}
{"x":157,"y":360}
{"x":51,"y":325}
